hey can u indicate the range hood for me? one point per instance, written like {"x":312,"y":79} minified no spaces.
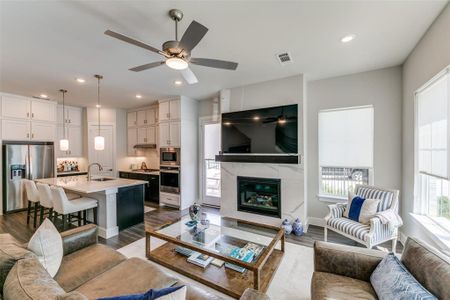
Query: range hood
{"x":145,"y":146}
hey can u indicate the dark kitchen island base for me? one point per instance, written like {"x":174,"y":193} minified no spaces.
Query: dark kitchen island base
{"x":130,"y":206}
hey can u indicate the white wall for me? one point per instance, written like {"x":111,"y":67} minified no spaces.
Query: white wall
{"x":431,"y":55}
{"x":380,"y":88}
{"x":265,"y":94}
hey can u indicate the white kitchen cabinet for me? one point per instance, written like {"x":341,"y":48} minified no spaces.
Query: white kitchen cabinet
{"x":164,"y":135}
{"x":59,"y":136}
{"x":169,"y":199}
{"x":169,"y":110}
{"x":169,"y":134}
{"x":150,"y":116}
{"x":132,"y":119}
{"x":16,"y":107}
{"x":15,"y":130}
{"x":72,"y":115}
{"x":175,"y":136}
{"x":141,"y":118}
{"x":174,"y":109}
{"x":75,"y":136}
{"x":42,"y":110}
{"x":42,"y":131}
{"x":164,"y":111}
{"x":151,"y":135}
{"x":131,"y":141}
{"x":142,"y":135}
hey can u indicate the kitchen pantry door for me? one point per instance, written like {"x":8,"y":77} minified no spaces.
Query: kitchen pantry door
{"x":103,"y":157}
{"x":210,"y":179}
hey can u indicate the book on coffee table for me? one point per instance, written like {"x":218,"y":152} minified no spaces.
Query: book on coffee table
{"x":200,"y":259}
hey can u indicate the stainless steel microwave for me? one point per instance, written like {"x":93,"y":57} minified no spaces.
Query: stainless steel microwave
{"x":169,"y":157}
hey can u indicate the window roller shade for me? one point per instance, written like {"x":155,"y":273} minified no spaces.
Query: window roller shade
{"x":346,"y":137}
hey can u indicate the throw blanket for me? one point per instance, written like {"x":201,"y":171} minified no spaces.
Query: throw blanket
{"x":390,"y":217}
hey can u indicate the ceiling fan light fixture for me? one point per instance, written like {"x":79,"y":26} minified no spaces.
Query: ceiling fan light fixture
{"x":176,"y":63}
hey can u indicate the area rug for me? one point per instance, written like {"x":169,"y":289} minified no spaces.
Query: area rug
{"x":291,"y":281}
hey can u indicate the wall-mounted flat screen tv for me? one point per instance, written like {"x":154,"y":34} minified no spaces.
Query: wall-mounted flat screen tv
{"x":272,"y":130}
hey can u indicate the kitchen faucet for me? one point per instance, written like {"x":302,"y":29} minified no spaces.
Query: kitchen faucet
{"x":100,"y":168}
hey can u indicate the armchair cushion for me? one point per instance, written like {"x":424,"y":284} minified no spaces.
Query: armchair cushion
{"x":360,"y":209}
{"x":350,"y":227}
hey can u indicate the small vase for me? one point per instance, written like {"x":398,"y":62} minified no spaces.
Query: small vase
{"x":286,"y":225}
{"x":194,"y":212}
{"x":297,"y":227}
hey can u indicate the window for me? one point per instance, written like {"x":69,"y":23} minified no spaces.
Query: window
{"x":432,"y":155}
{"x":345,"y":149}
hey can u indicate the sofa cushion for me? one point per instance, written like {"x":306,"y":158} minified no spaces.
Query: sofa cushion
{"x":85,"y":264}
{"x":47,"y":244}
{"x":10,"y":252}
{"x":392,"y":281}
{"x":350,"y":227}
{"x":331,"y":286}
{"x":132,"y":276}
{"x":429,"y":266}
{"x":196,"y":293}
{"x":29,"y":280}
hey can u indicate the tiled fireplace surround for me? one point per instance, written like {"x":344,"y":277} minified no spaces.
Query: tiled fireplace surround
{"x":292,"y":193}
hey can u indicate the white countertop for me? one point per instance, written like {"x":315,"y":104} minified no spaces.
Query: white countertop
{"x":81,"y":185}
{"x":141,"y":172}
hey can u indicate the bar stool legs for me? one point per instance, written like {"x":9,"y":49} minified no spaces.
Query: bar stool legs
{"x":29,"y":212}
{"x":95,"y":216}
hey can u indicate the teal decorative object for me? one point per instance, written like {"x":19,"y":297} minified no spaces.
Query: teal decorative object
{"x":286,"y":225}
{"x":297,"y":227}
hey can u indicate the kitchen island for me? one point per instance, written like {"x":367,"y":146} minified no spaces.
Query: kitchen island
{"x":120,"y":201}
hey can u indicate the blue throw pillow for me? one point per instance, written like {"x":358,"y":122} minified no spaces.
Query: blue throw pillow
{"x":392,"y":281}
{"x":149,"y":295}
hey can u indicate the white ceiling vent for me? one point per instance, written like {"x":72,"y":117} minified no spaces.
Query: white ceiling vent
{"x":284,"y":58}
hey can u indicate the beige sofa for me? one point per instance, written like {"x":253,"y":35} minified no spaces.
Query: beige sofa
{"x":343,"y":272}
{"x":88,"y":271}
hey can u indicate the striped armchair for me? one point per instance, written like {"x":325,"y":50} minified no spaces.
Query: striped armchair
{"x":369,"y":235}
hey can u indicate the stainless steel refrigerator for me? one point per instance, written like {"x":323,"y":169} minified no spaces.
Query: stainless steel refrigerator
{"x":24,"y":161}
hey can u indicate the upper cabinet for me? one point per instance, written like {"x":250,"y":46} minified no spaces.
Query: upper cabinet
{"x":28,"y":109}
{"x":145,"y":117}
{"x":132,"y":119}
{"x":169,"y":110}
{"x":71,"y":115}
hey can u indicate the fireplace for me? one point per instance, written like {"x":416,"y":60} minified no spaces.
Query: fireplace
{"x":259,"y":195}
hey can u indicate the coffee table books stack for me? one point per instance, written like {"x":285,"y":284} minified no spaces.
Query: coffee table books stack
{"x":228,"y":255}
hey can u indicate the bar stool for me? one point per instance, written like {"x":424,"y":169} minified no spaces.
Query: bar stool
{"x":46,"y":202}
{"x":33,"y":200}
{"x":65,"y":207}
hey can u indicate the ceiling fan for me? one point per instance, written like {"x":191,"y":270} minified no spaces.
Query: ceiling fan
{"x":177,"y":53}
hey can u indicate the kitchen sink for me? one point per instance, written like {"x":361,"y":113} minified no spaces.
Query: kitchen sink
{"x":102,"y":179}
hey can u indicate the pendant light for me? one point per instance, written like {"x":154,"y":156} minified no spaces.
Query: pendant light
{"x":99,"y":141}
{"x":64,"y":142}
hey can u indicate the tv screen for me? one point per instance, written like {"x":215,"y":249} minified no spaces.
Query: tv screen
{"x":272,"y":130}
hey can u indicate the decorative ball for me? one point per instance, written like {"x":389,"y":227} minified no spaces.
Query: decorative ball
{"x":194,"y":211}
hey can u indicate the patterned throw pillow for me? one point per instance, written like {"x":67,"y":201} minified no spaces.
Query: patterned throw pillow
{"x":392,"y":281}
{"x":170,"y":293}
{"x":359,"y":209}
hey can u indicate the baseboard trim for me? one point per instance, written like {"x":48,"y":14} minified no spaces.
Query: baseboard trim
{"x":402,"y":238}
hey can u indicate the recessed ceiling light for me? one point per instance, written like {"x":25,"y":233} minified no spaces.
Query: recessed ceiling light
{"x":348,"y":38}
{"x":256,"y":118}
{"x":98,"y":105}
{"x":178,"y":82}
{"x":227,"y":123}
{"x":138,"y":96}
{"x":43,"y":96}
{"x":81,"y":80}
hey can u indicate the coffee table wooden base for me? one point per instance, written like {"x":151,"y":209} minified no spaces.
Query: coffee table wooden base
{"x":222,"y":279}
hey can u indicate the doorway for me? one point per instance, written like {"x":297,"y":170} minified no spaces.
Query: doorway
{"x":210,"y":169}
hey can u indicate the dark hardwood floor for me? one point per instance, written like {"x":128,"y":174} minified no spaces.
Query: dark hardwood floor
{"x":15,"y":224}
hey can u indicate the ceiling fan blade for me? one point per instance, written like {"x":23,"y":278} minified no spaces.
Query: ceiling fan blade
{"x":192,"y":36}
{"x":132,"y":41}
{"x":189,"y":76}
{"x":214,"y":63}
{"x":147,"y":66}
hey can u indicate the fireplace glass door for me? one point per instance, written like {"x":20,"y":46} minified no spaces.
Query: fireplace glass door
{"x":259,"y":195}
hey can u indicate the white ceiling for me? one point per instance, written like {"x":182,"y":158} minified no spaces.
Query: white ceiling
{"x":45,"y":45}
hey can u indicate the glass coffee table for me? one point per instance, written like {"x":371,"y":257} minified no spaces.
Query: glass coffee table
{"x":243,"y":253}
